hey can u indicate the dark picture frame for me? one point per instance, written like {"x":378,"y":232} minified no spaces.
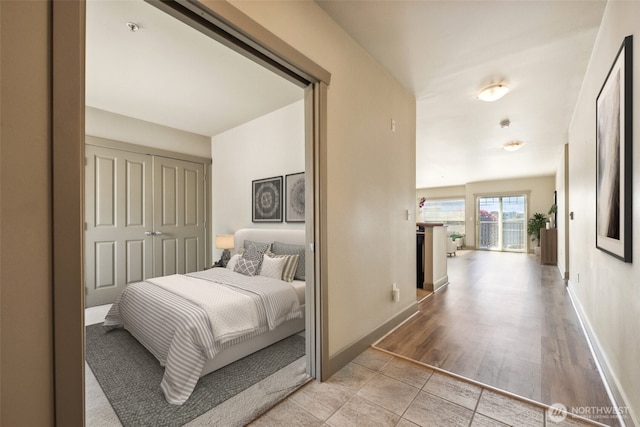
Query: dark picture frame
{"x":614,"y":157}
{"x":295,"y":201}
{"x":266,"y":200}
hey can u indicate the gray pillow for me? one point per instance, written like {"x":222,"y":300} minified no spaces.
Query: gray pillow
{"x":248,"y":267}
{"x":280,"y":248}
{"x":255,"y":251}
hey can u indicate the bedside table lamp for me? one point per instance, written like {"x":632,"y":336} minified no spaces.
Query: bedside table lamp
{"x":224,"y":241}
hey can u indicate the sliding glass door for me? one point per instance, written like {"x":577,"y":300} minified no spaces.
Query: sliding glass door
{"x":502,"y":223}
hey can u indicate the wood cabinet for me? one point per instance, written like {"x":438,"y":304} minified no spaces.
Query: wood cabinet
{"x":549,"y":246}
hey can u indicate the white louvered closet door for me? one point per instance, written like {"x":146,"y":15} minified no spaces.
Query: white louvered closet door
{"x":118,"y":213}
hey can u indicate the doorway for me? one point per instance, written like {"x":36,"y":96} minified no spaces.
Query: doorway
{"x":135,"y":80}
{"x":253,"y":41}
{"x":502,"y":223}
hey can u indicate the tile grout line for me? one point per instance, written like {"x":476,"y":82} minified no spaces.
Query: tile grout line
{"x":469,"y":380}
{"x":299,"y":406}
{"x":421,"y":389}
{"x":475,"y":410}
{"x":505,"y":393}
{"x":379,"y":372}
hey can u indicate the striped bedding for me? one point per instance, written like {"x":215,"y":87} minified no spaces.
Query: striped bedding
{"x":177,"y":330}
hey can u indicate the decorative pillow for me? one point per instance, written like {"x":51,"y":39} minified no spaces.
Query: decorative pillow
{"x":255,"y":251}
{"x":248,"y":267}
{"x":232,"y":262}
{"x":290,"y":265}
{"x":272,"y":267}
{"x":279,"y":248}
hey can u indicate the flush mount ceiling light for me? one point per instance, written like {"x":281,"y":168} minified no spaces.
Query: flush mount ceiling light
{"x":133,"y":27}
{"x":493,"y":92}
{"x":513,"y":145}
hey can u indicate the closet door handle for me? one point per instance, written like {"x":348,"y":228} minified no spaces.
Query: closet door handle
{"x":157,"y":233}
{"x":148,"y":233}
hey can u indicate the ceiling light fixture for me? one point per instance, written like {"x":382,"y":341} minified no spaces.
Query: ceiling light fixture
{"x":513,"y":145}
{"x":493,"y":92}
{"x":133,"y":27}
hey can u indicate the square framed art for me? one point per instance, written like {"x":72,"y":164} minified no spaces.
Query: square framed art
{"x":267,"y":200}
{"x":294,"y":187}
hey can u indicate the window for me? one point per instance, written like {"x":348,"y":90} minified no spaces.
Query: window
{"x":502,"y":223}
{"x":450,"y":212}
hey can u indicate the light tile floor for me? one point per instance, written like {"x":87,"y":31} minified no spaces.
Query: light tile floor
{"x":379,"y":389}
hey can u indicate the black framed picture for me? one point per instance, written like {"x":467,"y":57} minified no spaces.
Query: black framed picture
{"x":294,"y":187}
{"x":614,"y":157}
{"x":267,"y":200}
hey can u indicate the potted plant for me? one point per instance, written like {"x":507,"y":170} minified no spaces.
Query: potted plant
{"x":535,"y":223}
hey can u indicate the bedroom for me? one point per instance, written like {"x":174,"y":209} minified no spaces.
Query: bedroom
{"x":264,"y":133}
{"x":53,"y":154}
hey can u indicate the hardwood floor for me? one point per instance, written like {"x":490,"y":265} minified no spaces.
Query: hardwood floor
{"x":421,"y":294}
{"x":508,"y":322}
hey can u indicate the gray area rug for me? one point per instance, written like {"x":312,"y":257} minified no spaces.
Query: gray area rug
{"x":130,"y":377}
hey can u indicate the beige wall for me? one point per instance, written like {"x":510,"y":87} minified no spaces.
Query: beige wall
{"x":607,"y":290}
{"x":105,"y":124}
{"x":539,"y":190}
{"x":370,"y":172}
{"x":26,"y":343}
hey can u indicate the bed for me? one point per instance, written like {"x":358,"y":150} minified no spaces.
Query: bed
{"x":197,"y":323}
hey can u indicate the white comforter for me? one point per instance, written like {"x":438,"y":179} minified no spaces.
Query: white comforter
{"x":232,"y":314}
{"x":174,"y":321}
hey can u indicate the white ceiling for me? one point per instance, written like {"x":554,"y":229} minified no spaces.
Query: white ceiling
{"x":171,"y":74}
{"x":445,"y":51}
{"x":442,"y":51}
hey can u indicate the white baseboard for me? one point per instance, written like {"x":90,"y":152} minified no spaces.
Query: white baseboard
{"x":627,"y":416}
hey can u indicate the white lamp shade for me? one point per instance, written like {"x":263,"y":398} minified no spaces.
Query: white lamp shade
{"x":224,"y":241}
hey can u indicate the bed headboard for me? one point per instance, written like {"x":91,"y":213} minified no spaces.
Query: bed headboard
{"x":268,"y":235}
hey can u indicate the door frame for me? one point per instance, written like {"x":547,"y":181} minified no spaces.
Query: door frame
{"x":235,"y":29}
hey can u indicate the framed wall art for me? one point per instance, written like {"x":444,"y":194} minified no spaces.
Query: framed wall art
{"x":294,"y":185}
{"x":267,"y":200}
{"x":614,"y":157}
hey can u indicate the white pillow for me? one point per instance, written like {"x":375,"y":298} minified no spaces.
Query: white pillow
{"x":272,"y":267}
{"x":290,"y":265}
{"x":233,"y":261}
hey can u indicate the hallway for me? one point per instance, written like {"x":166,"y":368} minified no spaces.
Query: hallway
{"x":506,"y":322}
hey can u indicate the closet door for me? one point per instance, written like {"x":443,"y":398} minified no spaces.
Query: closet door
{"x":118,"y":195}
{"x":179,"y":216}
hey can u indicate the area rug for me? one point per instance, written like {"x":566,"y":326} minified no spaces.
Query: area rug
{"x":130,"y":377}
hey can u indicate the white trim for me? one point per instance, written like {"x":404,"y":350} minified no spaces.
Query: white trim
{"x":609,"y":379}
